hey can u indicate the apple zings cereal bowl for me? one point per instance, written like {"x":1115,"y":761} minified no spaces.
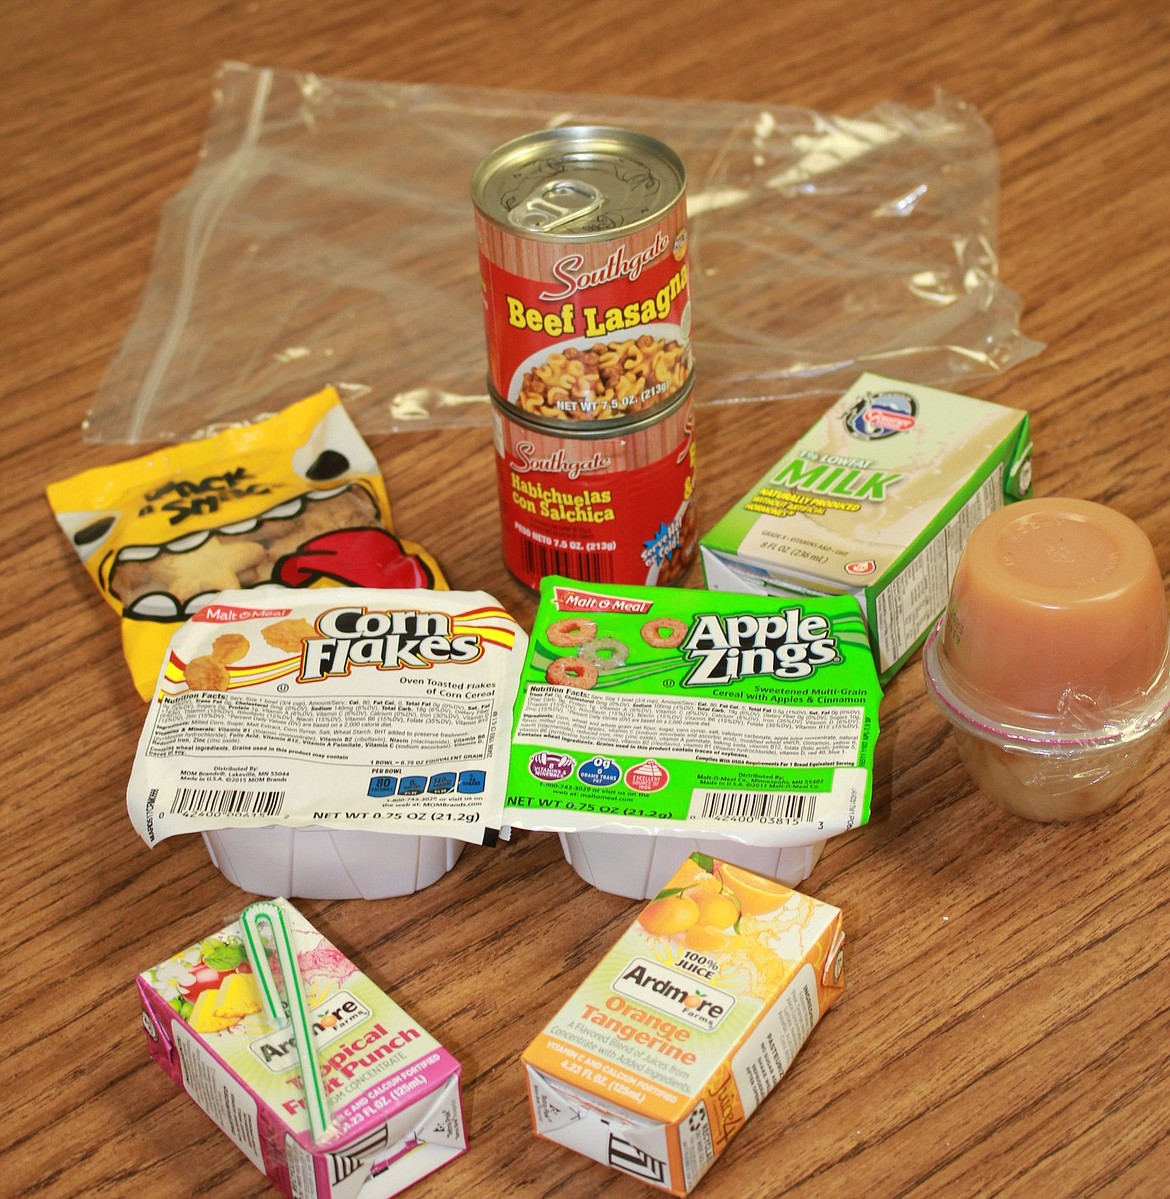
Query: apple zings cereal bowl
{"x":638,"y":865}
{"x":653,"y":722}
{"x":1051,"y":660}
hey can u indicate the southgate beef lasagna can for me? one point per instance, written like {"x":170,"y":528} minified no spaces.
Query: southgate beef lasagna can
{"x":603,"y":502}
{"x":583,"y":257}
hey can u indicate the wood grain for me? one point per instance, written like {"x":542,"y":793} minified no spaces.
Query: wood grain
{"x":1006,"y":1024}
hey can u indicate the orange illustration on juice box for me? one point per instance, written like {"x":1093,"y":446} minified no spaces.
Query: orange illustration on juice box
{"x":688,"y":1022}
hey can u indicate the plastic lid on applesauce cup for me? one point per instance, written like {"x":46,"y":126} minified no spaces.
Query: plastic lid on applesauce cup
{"x":1082,"y":727}
{"x":1056,"y":627}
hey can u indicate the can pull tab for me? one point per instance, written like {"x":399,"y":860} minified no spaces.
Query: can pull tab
{"x":555,"y":204}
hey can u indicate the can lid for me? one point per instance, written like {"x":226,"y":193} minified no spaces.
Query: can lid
{"x":578,"y":183}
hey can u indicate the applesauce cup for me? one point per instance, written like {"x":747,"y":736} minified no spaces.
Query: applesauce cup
{"x":1051,"y":660}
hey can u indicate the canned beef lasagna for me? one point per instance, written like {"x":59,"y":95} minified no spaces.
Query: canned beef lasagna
{"x":583,"y":256}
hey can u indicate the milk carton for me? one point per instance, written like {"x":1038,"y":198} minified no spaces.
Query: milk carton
{"x":685,"y":1026}
{"x":876,"y":501}
{"x":392,"y":1089}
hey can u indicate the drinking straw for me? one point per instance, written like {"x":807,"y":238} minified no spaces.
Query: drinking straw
{"x":266,"y":912}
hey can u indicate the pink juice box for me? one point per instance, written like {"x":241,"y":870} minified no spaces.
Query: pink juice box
{"x":395,"y":1113}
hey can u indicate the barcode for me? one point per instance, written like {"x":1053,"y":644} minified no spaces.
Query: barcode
{"x":635,"y":1161}
{"x":766,"y":807}
{"x":206,"y":801}
{"x":541,"y":560}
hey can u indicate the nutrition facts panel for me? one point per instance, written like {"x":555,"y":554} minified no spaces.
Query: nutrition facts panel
{"x":767,"y":1053}
{"x":702,"y":730}
{"x":909,"y":604}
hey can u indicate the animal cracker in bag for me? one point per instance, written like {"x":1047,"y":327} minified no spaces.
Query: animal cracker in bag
{"x":296,"y":499}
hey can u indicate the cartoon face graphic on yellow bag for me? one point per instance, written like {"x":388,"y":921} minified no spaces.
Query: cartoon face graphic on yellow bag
{"x":296,"y":500}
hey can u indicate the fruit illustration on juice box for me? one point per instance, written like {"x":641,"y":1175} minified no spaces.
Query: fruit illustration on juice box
{"x":706,"y":911}
{"x":212,"y":987}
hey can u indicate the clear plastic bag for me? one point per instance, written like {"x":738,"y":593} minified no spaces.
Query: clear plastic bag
{"x":327,"y":237}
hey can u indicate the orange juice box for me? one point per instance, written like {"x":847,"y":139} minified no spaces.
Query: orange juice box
{"x":687,"y":1024}
{"x":395,"y":1113}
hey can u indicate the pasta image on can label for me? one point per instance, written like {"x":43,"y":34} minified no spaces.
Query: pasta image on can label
{"x":583,"y":258}
{"x":608,"y":503}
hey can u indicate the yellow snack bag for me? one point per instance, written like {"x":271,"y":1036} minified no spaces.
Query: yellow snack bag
{"x":295,"y":500}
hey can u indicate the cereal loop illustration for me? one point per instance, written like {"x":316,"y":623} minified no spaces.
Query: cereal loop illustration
{"x":573,"y":631}
{"x":572,"y":672}
{"x":606,"y":653}
{"x":664,"y":632}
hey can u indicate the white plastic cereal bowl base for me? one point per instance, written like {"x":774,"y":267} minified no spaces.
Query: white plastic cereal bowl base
{"x":638,"y":865}
{"x":321,"y":863}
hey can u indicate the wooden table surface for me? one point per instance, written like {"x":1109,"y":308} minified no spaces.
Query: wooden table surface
{"x":1005,"y":1029}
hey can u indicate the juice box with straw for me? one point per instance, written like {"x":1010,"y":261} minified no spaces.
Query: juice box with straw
{"x":390,"y":1091}
{"x":690,"y":1020}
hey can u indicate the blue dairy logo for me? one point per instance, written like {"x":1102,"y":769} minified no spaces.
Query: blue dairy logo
{"x":875,"y":417}
{"x":599,"y":772}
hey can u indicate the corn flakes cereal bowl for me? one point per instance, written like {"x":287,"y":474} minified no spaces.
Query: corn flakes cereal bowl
{"x":638,"y":865}
{"x":321,"y":863}
{"x":1058,"y":772}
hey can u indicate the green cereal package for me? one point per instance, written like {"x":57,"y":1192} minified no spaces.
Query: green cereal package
{"x":694,"y":713}
{"x":876,"y":502}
